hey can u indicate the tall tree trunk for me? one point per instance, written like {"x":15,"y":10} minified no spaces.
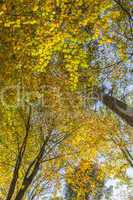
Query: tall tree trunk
{"x":119,"y":107}
{"x":34,"y":166}
{"x":29,"y":176}
{"x":27,"y":182}
{"x":125,"y":151}
{"x":20,"y":155}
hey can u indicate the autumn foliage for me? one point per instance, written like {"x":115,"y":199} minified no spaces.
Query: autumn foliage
{"x":55,"y":55}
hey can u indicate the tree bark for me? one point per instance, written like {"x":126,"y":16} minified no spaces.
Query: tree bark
{"x":118,"y":107}
{"x":19,"y":161}
{"x":34,"y":167}
{"x":29,"y":176}
{"x":125,"y":152}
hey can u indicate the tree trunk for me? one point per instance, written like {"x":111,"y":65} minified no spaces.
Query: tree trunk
{"x":125,"y":151}
{"x":119,"y":107}
{"x":27,"y":183}
{"x":20,"y":155}
{"x":29,"y":176}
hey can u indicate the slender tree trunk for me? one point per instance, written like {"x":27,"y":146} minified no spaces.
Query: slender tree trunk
{"x":14,"y":179}
{"x":125,"y":152}
{"x":20,"y":155}
{"x":27,"y":182}
{"x":34,"y":167}
{"x":30,"y":174}
{"x":119,"y":107}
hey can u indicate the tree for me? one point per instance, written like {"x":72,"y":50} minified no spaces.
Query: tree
{"x":49,"y":58}
{"x":38,"y":124}
{"x":118,"y":107}
{"x":84,"y":182}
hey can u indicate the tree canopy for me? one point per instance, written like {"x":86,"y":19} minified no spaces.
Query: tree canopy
{"x":64,"y":73}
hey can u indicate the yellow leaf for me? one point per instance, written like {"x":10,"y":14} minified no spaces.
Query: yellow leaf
{"x":35,"y":8}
